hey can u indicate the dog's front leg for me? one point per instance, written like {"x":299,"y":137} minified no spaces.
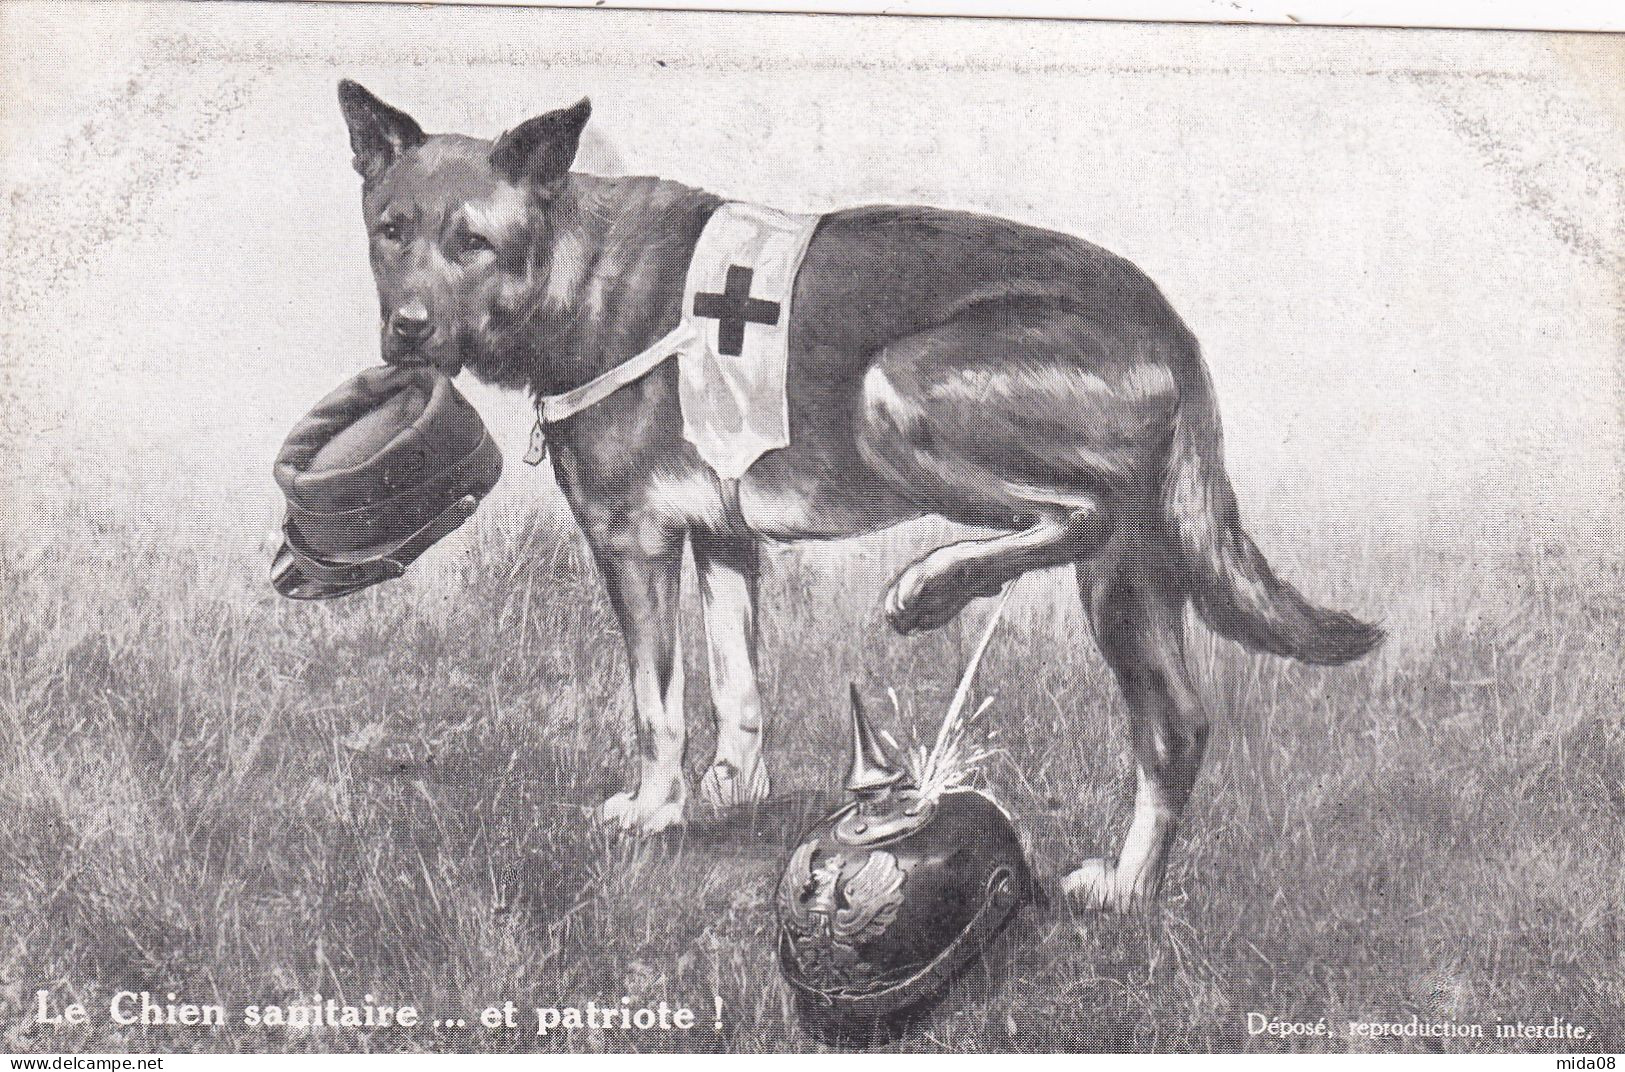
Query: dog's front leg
{"x":729,"y":567}
{"x":643,"y":589}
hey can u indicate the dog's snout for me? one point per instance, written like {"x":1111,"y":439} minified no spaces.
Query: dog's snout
{"x":411,"y":322}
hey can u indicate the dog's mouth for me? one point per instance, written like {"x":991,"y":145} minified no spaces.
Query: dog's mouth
{"x":448,"y":366}
{"x":415,"y":357}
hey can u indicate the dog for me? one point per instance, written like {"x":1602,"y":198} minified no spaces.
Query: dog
{"x":940,"y":363}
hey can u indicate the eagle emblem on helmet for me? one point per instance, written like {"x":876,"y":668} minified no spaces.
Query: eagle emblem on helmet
{"x":827,"y":919}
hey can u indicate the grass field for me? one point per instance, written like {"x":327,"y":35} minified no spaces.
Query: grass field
{"x":207,"y":790}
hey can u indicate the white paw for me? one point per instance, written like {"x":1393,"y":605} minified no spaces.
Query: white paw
{"x":725,"y":785}
{"x":637,"y":817}
{"x":1094,"y":886}
{"x":616,"y":810}
{"x":660,"y":817}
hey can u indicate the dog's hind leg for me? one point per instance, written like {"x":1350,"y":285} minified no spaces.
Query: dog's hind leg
{"x":729,"y":567}
{"x":936,"y":587}
{"x":1022,"y":417}
{"x":1138,"y":622}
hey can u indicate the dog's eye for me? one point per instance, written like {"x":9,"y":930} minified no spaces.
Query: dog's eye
{"x":389,"y":231}
{"x":469,"y":242}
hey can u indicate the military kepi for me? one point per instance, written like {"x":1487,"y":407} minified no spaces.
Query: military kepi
{"x":380,"y":470}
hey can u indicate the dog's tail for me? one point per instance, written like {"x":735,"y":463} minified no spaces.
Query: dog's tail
{"x":1226,"y":575}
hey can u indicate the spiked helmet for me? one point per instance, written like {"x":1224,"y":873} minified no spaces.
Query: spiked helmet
{"x":891,"y":896}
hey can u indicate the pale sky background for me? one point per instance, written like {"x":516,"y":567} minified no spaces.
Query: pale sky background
{"x":1400,"y":249}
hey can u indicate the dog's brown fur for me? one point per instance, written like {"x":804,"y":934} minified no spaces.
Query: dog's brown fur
{"x":941,"y":363}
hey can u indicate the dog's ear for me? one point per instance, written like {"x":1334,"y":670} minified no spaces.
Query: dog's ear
{"x":378,"y":133}
{"x":540,"y":151}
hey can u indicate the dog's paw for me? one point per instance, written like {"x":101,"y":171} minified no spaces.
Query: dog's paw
{"x":1095,"y":886}
{"x":632,"y":815}
{"x":931,"y":593}
{"x":897,"y":615}
{"x":659,"y":818}
{"x":725,"y":785}
{"x":916,"y":603}
{"x":616,"y":810}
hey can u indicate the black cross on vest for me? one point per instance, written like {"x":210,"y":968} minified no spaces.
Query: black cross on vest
{"x":735,"y":308}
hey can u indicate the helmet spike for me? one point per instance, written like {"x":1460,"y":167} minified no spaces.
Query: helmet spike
{"x":872,"y":770}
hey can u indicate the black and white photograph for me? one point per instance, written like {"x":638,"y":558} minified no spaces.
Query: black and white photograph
{"x":537,"y":529}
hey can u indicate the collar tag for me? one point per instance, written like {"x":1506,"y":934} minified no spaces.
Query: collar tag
{"x":538,"y":444}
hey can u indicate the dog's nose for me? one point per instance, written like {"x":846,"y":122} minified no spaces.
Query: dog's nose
{"x":411,"y":322}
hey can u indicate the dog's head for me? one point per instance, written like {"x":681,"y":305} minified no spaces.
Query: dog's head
{"x":461,"y":229}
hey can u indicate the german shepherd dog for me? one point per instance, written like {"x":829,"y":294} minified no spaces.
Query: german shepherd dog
{"x":941,"y":362}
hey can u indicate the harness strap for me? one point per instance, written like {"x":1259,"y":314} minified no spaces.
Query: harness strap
{"x":731,"y":510}
{"x":553,"y":408}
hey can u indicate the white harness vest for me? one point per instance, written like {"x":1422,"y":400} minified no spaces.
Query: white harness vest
{"x":732,"y":344}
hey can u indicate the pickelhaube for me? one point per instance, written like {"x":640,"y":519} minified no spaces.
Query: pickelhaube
{"x":890,"y":897}
{"x":378,"y":472}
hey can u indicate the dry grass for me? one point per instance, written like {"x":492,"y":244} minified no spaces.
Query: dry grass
{"x":208,"y":790}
